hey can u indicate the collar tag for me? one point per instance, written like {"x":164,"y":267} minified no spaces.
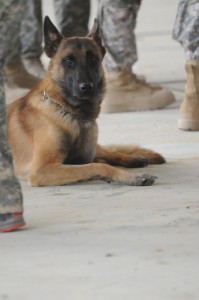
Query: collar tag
{"x":45,"y":96}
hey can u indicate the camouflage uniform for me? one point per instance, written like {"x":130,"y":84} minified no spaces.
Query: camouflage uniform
{"x":186,"y":28}
{"x":118,"y":20}
{"x":72,"y":16}
{"x":32,"y":30}
{"x":11,"y":12}
{"x":29,"y":42}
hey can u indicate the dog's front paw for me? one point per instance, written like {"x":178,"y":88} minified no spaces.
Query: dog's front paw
{"x":145,"y":179}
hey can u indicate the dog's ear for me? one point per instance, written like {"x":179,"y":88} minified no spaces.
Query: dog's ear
{"x":95,"y":34}
{"x":52,"y":37}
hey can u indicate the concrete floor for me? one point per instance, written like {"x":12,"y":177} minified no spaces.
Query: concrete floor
{"x":100,"y":241}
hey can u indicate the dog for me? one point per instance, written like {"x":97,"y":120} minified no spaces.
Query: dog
{"x":52,"y":131}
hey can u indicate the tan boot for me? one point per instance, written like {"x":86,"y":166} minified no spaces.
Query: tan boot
{"x":189,"y":110}
{"x":16,"y":76}
{"x":126,"y":92}
{"x":34,"y":67}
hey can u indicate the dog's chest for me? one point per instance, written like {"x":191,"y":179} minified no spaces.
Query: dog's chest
{"x":81,"y":144}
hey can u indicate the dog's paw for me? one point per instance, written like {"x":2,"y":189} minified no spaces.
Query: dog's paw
{"x":139,"y":162}
{"x":145,"y":179}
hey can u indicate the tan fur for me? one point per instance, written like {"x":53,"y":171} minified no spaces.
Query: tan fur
{"x":124,"y":153}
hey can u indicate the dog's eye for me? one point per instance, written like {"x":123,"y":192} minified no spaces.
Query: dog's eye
{"x":92,"y":60}
{"x":69,"y":62}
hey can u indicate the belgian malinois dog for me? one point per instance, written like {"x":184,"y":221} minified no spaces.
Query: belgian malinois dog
{"x":53,"y":132}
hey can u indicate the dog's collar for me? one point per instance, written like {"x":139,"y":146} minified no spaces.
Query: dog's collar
{"x":47,"y":98}
{"x":60,"y":106}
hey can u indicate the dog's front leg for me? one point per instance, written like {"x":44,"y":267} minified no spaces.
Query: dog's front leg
{"x":54,"y":174}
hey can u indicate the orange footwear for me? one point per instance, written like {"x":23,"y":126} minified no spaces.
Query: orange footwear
{"x":10,"y":222}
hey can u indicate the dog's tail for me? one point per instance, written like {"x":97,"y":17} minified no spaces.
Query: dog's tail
{"x":126,"y":155}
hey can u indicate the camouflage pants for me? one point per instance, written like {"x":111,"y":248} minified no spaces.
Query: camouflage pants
{"x":10,"y":191}
{"x":32,"y":30}
{"x":186,"y":28}
{"x":29,"y":42}
{"x":72,"y":17}
{"x":118,"y":20}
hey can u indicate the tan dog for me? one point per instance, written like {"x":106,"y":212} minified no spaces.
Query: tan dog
{"x":52,"y":131}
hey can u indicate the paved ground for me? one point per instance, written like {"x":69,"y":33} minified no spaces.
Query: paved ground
{"x":111,"y":242}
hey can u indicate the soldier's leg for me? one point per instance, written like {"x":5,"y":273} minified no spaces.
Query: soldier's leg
{"x":186,"y":33}
{"x":11,"y":202}
{"x":14,"y":72}
{"x":72,"y":16}
{"x":118,"y":21}
{"x":31,"y":38}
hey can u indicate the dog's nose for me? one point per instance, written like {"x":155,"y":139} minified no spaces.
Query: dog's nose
{"x":86,"y":87}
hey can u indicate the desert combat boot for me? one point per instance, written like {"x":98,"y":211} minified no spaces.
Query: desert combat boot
{"x":126,"y":92}
{"x":34,"y":66}
{"x":16,"y":75}
{"x":189,"y":110}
